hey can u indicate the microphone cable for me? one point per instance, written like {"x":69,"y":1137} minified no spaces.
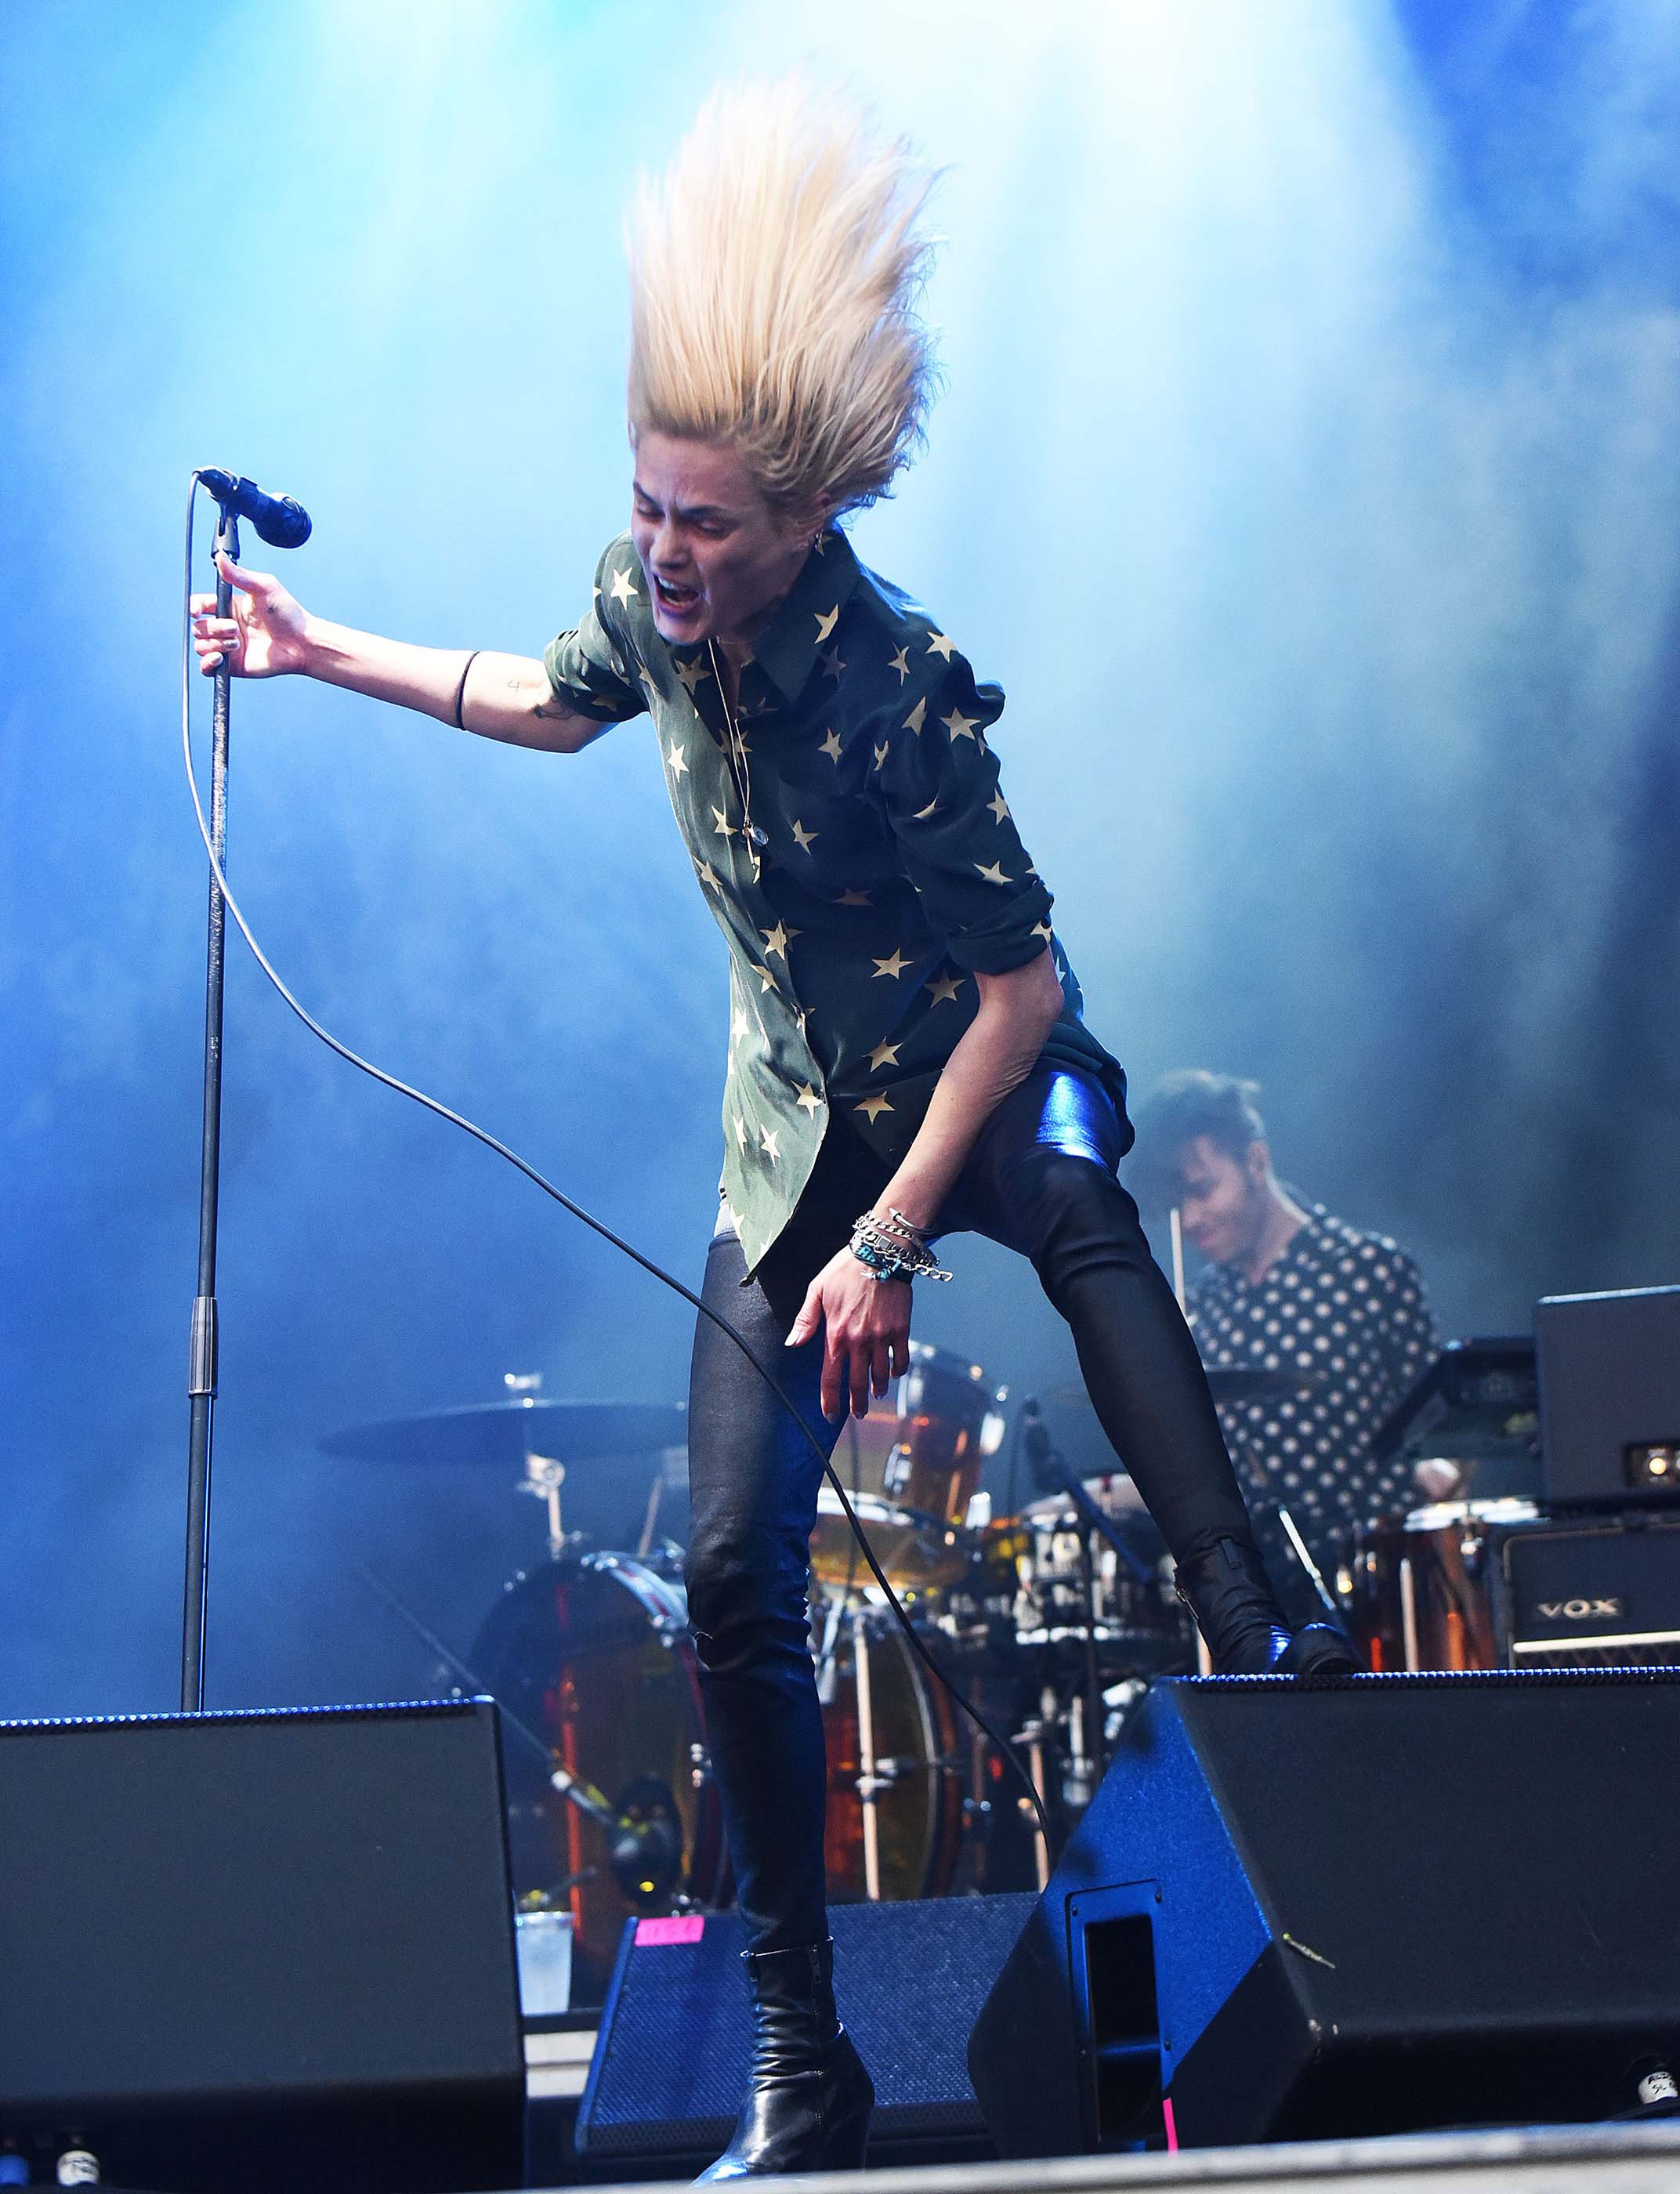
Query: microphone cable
{"x":959,"y":1697}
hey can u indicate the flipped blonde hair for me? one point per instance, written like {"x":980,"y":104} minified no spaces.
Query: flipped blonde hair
{"x":776,"y":266}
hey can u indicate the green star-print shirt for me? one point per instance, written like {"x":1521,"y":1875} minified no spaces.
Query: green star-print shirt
{"x":891,"y":873}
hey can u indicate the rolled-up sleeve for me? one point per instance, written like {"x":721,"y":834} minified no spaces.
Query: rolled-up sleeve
{"x":938,"y":778}
{"x":589,"y":667}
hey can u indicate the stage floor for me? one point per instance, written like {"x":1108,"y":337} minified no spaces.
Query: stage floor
{"x":1618,"y":2159}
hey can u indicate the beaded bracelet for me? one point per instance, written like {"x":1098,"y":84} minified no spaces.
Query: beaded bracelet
{"x":891,"y":1254}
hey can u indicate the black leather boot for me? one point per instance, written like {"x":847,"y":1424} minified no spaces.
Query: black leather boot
{"x":1225,"y":1587}
{"x":809,"y":2105}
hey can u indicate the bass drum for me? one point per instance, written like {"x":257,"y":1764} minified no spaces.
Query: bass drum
{"x":593,"y":1654}
{"x":880,"y":1706}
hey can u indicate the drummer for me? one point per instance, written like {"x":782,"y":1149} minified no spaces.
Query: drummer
{"x":1288,"y":1289}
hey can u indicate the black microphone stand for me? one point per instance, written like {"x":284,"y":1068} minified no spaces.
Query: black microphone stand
{"x":202,"y":1376}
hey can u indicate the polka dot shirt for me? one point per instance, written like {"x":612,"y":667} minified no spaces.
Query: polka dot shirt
{"x":1345,"y":1313}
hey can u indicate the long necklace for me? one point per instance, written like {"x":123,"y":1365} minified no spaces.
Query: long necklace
{"x":735,"y":753}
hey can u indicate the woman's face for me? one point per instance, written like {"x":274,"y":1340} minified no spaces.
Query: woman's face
{"x":716,"y":558}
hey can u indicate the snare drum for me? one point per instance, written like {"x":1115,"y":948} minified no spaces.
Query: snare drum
{"x":1422,"y":1589}
{"x":1063,"y":1583}
{"x":911,"y":1468}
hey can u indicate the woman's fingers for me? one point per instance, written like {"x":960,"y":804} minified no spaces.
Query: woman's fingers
{"x":879,"y":1375}
{"x":810,"y":1310}
{"x":859,"y":1378}
{"x":833,"y":1360}
{"x":259,"y":585}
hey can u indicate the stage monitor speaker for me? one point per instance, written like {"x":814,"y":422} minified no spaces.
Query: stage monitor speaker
{"x":1609,"y":1378}
{"x":261,"y":1950}
{"x":1373,"y":1904}
{"x":670,"y":2060}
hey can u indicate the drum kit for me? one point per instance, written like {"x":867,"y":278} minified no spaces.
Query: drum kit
{"x":1053,"y":1622}
{"x":1053,"y":1619}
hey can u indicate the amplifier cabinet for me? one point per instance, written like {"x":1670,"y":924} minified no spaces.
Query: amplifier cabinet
{"x":1580,"y":1593}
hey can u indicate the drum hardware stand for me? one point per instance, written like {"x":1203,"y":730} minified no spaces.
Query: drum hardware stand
{"x":656,"y":1492}
{"x":1408,"y":1611}
{"x":976,"y":1816}
{"x":1087,"y":1763}
{"x":1314,"y":1574}
{"x":869,"y":1783}
{"x":828,"y":1674}
{"x":544,"y":1475}
{"x":1030,"y":1738}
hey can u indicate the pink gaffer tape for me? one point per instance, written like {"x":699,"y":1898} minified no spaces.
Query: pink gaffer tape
{"x":660,"y":1935}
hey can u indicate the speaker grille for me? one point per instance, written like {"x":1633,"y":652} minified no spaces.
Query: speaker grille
{"x":676,"y":2038}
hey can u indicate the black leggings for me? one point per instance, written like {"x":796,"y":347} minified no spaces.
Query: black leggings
{"x":1040,"y":1179}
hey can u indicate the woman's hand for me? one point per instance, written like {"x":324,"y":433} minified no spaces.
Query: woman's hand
{"x":263,"y":639}
{"x":868,"y":1332}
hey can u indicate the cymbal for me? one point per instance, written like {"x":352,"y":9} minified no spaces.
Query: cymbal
{"x":1227,"y":1382}
{"x":505,"y":1433}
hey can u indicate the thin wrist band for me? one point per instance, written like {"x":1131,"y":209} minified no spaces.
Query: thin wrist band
{"x":461,"y":690}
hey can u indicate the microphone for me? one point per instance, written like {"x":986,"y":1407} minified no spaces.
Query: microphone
{"x":280,"y":519}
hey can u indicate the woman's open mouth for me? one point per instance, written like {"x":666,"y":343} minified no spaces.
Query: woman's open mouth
{"x":675,"y":600}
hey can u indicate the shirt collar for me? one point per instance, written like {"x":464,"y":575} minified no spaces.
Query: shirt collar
{"x":788,"y":648}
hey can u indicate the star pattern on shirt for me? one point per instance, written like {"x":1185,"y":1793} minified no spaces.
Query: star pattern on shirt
{"x":1043,"y":929}
{"x":850,"y":856}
